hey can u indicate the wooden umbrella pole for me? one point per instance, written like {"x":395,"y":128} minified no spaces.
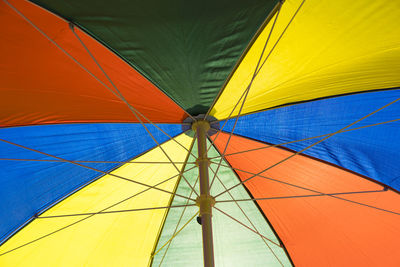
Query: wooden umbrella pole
{"x":205,"y":201}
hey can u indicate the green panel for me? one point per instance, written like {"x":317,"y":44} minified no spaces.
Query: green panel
{"x":186,"y":48}
{"x":234,"y":245}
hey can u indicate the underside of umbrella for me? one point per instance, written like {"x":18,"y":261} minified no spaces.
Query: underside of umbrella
{"x":199,"y":133}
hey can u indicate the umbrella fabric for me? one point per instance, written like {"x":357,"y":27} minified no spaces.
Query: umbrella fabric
{"x":98,"y":160}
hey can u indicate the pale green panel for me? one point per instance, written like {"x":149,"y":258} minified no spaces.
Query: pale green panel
{"x":186,"y":248}
{"x":234,"y":245}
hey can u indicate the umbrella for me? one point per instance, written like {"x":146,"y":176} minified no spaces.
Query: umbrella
{"x":199,"y":133}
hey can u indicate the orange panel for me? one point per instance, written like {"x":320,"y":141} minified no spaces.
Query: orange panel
{"x":40,"y":84}
{"x":322,"y":230}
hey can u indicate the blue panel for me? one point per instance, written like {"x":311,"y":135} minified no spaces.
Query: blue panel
{"x":27,"y":187}
{"x":373,"y":151}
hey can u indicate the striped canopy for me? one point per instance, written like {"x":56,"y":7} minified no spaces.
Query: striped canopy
{"x":99,"y":163}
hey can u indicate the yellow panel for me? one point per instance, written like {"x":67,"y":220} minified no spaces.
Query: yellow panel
{"x":118,"y":239}
{"x":330,"y":48}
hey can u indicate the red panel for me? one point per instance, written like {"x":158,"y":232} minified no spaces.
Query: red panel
{"x":320,"y":231}
{"x":40,"y":84}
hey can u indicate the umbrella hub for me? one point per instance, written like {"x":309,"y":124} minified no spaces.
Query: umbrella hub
{"x":189,"y":123}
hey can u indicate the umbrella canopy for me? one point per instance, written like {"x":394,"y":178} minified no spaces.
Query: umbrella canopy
{"x":279,"y":119}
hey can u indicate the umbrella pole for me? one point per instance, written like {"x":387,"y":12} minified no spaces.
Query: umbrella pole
{"x":205,"y":201}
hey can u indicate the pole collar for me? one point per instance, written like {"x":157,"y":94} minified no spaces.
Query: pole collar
{"x":200,"y":160}
{"x":205,"y":203}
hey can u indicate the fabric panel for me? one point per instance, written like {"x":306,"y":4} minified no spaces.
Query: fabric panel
{"x":330,"y":48}
{"x":320,"y":230}
{"x":40,"y":84}
{"x":117,"y":239}
{"x":368,"y":151}
{"x":29,"y":187}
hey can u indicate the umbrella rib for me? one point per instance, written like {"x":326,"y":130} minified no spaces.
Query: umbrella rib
{"x":304,"y":188}
{"x":304,"y":139}
{"x":308,"y":189}
{"x":245,"y":51}
{"x":52,"y":41}
{"x":248,"y":219}
{"x":257,"y":71}
{"x":72,"y":27}
{"x":89,"y":216}
{"x":245,"y":96}
{"x":155,"y":253}
{"x":177,"y":225}
{"x":254,"y":76}
{"x":280,"y":37}
{"x":314,"y":191}
{"x":308,"y":147}
{"x":93,"y":169}
{"x":99,"y":161}
{"x":239,"y":222}
{"x":83,"y":67}
{"x":220,"y":130}
{"x":302,"y":196}
{"x":113,"y":211}
{"x":132,"y":109}
{"x":166,"y":214}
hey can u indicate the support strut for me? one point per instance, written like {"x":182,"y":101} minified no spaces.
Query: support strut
{"x":205,"y":201}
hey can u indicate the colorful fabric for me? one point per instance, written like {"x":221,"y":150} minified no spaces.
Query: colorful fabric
{"x":99,"y":164}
